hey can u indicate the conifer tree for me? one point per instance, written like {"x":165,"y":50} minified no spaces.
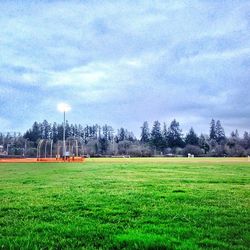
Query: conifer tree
{"x":156,"y":135}
{"x":203,"y":143}
{"x":145,"y":134}
{"x":212,"y":134}
{"x":164,"y":135}
{"x":174,"y":135}
{"x":192,"y":138}
{"x":219,"y":132}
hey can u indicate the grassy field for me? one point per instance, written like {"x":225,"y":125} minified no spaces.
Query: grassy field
{"x":154,"y":203}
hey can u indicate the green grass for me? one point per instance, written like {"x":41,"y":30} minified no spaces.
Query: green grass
{"x":126,"y":204}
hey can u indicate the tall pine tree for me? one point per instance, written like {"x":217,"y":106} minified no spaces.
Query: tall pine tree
{"x":145,"y":134}
{"x":192,"y":138}
{"x":165,"y":135}
{"x":156,"y":136}
{"x":212,"y":134}
{"x":219,"y":132}
{"x":174,"y":135}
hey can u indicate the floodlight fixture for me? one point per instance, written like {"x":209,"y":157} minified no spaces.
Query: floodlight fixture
{"x":63,"y":107}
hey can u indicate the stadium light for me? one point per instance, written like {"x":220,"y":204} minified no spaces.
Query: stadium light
{"x":63,"y":107}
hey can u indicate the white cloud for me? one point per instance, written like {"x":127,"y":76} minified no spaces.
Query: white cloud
{"x":81,"y":76}
{"x":134,"y":62}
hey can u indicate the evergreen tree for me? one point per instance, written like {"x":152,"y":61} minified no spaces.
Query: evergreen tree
{"x":156,"y":135}
{"x":36,"y":132}
{"x":46,"y":130}
{"x":54,"y":132}
{"x":192,"y":138}
{"x":219,"y":132}
{"x":72,"y":130}
{"x":145,"y":134}
{"x":105,"y":132}
{"x":86,"y":133}
{"x":110,"y":133}
{"x":80,"y":131}
{"x":234,"y":139}
{"x":121,"y":134}
{"x":67,"y":130}
{"x":75,"y":129}
{"x":60,"y":132}
{"x":203,"y":143}
{"x":33,"y":134}
{"x":235,"y":134}
{"x":165,"y":135}
{"x":212,"y":133}
{"x":174,"y":135}
{"x":103,"y":144}
{"x":130,"y":136}
{"x":95,"y":129}
{"x":246,"y":140}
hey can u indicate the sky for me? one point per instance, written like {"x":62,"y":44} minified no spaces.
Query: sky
{"x":125,"y":62}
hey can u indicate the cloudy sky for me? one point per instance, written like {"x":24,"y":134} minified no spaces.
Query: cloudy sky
{"x":124,"y":62}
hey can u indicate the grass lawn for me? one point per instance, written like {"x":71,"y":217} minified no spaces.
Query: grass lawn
{"x":151,"y":203}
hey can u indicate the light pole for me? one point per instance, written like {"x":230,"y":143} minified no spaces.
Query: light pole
{"x":8,"y":148}
{"x":64,"y":107}
{"x":64,"y":143}
{"x":25,"y":147}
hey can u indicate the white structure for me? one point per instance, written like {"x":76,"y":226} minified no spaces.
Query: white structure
{"x":190,"y":155}
{"x":46,"y":146}
{"x":73,"y":147}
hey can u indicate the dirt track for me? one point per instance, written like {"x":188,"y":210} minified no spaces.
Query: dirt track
{"x":30,"y":160}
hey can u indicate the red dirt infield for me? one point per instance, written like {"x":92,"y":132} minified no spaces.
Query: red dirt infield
{"x":31,"y":160}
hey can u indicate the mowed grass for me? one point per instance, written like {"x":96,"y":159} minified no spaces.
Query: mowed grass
{"x":151,"y":203}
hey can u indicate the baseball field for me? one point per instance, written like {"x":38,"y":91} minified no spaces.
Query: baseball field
{"x":130,"y":203}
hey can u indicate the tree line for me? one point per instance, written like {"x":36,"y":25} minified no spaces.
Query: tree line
{"x":160,"y":139}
